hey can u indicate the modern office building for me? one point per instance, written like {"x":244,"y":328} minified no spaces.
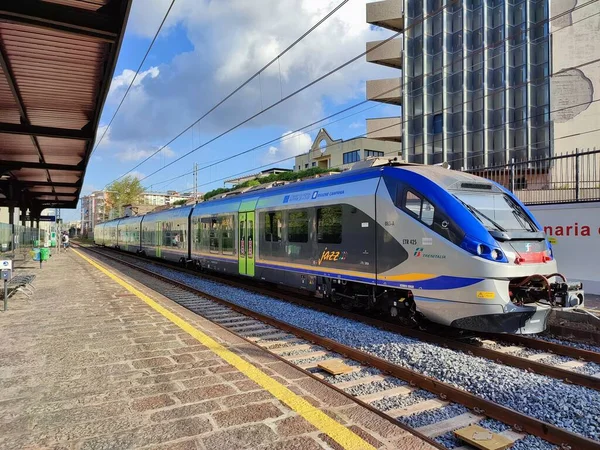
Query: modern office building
{"x":476,"y":86}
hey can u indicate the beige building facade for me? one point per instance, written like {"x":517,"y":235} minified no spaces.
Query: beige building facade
{"x":575,"y":84}
{"x":329,"y":153}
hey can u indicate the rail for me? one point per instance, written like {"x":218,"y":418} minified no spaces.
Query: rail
{"x":493,"y":410}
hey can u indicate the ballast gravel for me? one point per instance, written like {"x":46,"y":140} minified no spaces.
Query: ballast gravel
{"x":580,"y":345}
{"x":573,"y":407}
{"x":371,"y":388}
{"x":396,"y":402}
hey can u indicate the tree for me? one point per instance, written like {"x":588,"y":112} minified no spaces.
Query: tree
{"x":126,"y":191}
{"x":179,"y":202}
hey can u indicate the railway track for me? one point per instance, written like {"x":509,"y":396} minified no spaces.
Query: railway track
{"x":391,"y":390}
{"x":486,"y":346}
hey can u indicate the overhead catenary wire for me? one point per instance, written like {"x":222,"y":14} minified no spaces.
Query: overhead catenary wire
{"x":335,"y":70}
{"x":471,"y":54}
{"x":537,"y":80}
{"x":245,"y":83}
{"x":395,"y":151}
{"x":135,"y":76}
{"x":322,"y":77}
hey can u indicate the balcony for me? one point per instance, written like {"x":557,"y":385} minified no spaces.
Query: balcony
{"x":387,"y":14}
{"x":385,"y":91}
{"x":388,"y":54}
{"x":385,"y":129}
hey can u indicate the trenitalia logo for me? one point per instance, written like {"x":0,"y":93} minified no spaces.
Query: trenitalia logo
{"x":419,"y":254}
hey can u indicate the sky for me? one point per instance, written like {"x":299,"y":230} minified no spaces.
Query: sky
{"x":205,"y":50}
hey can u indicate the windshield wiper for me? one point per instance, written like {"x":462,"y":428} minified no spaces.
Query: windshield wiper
{"x":520,"y":215}
{"x":476,"y":212}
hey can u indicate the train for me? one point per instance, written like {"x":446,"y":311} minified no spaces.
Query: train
{"x":414,"y":242}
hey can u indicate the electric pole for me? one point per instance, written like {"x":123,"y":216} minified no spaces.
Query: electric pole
{"x":196,"y":183}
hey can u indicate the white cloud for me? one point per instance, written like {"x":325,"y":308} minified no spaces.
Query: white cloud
{"x":136,"y":154}
{"x":292,"y":144}
{"x":136,"y":174}
{"x":121,"y":82}
{"x":173,"y":94}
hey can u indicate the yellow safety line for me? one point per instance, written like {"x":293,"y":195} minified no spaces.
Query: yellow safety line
{"x":338,"y":432}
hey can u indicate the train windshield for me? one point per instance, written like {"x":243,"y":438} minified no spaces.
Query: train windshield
{"x":496,"y":211}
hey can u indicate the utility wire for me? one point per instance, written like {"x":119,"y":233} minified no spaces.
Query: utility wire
{"x":395,"y":151}
{"x":245,"y":83}
{"x":381,"y":43}
{"x":134,"y":78}
{"x":329,"y":74}
{"x":538,"y":80}
{"x":326,"y":75}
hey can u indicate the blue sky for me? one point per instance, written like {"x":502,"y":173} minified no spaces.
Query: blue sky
{"x":206,"y":50}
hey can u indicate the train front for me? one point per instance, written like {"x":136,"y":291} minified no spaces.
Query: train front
{"x":525,"y":271}
{"x":480,"y":260}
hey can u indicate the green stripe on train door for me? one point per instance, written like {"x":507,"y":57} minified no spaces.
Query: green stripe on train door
{"x":250,"y":246}
{"x":242,"y":244}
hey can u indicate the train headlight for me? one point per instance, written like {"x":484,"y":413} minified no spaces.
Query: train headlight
{"x":482,"y":249}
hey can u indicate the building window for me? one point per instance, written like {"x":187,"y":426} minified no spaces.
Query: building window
{"x":438,"y":123}
{"x":313,"y":164}
{"x":306,"y":166}
{"x":329,"y":225}
{"x":351,"y":157}
{"x":375,"y":153}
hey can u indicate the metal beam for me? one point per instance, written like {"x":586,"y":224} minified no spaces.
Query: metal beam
{"x":28,"y":184}
{"x":16,"y":165}
{"x":61,"y":18}
{"x":10,"y":79}
{"x":33,"y":130}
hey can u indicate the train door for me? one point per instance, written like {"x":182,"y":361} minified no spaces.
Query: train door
{"x":246,"y":244}
{"x":158,"y":238}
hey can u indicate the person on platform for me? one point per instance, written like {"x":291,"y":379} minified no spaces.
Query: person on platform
{"x":65,"y":240}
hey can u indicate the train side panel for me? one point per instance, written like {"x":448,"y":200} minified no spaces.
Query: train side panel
{"x":128,"y":234}
{"x":164,"y":235}
{"x":214,"y":236}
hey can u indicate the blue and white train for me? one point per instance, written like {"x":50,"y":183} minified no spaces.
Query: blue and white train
{"x":409,"y":240}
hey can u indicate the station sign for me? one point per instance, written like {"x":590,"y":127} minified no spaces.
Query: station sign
{"x":6,"y":264}
{"x":47,"y":218}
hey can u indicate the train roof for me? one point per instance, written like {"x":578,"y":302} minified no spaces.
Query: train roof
{"x":443,"y":177}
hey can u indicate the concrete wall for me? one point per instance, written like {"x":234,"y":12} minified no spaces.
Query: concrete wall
{"x":575,"y":41}
{"x":575,"y":230}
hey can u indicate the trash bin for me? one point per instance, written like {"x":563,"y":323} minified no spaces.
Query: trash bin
{"x":45,"y":254}
{"x":52,"y":242}
{"x":36,"y":243}
{"x":36,"y":254}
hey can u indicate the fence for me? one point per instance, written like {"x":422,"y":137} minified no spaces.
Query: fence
{"x":16,"y":240}
{"x":567,"y":178}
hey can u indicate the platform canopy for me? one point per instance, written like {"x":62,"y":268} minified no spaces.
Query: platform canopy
{"x":57,"y":59}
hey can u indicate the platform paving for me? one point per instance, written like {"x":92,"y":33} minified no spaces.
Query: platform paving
{"x":85,"y":364}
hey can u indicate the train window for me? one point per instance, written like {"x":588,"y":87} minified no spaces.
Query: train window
{"x":273,"y":223}
{"x":412,"y":203}
{"x":298,"y":226}
{"x":214,"y":235}
{"x":228,"y":234}
{"x":419,"y":207}
{"x":204,"y":233}
{"x":329,"y":225}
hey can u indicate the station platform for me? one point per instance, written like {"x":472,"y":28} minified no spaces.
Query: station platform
{"x":94,"y":360}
